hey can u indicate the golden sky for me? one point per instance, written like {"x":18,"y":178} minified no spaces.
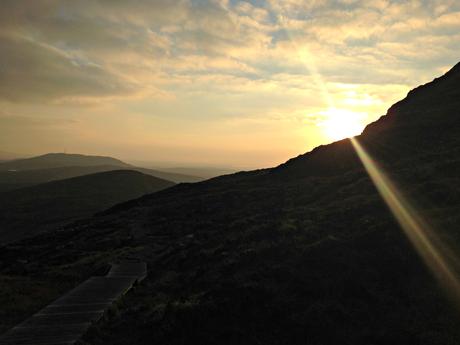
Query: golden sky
{"x":210,"y":82}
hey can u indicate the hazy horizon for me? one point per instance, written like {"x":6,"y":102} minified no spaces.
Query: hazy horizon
{"x":245,"y":84}
{"x":165,"y":164}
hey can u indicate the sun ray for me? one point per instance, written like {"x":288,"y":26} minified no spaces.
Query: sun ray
{"x":305,"y":57}
{"x":429,"y":246}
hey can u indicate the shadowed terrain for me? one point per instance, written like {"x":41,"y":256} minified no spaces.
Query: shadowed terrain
{"x":304,"y":253}
{"x":27,"y":211}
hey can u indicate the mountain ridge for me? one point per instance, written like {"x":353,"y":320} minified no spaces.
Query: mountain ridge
{"x":55,"y":160}
{"x":399,"y":114}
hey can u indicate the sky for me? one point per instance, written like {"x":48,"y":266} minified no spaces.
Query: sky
{"x":210,"y":82}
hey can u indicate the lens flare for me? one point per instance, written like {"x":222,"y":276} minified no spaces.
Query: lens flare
{"x":429,"y":246}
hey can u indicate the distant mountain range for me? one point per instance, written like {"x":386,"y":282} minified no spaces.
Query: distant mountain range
{"x":203,"y":171}
{"x":303,"y":253}
{"x":54,"y":166}
{"x":28,"y":211}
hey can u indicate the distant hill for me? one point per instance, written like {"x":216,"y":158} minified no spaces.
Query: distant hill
{"x":10,"y":180}
{"x":57,"y":160}
{"x":204,"y":172}
{"x":54,"y":166}
{"x":27,"y":211}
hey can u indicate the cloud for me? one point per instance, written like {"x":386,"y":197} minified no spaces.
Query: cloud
{"x":97,"y":49}
{"x":31,"y":71}
{"x":219,"y":61}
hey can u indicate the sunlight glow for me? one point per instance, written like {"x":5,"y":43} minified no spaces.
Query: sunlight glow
{"x":340,"y":124}
{"x":437,"y":256}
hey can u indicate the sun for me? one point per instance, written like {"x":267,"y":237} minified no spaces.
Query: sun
{"x":340,"y":124}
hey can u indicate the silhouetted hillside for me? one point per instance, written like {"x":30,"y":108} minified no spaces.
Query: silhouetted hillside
{"x":10,"y":180}
{"x":305,"y":253}
{"x":56,"y":166}
{"x":423,"y":122}
{"x":27,"y":211}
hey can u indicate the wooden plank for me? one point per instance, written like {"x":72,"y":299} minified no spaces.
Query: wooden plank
{"x":66,"y":320}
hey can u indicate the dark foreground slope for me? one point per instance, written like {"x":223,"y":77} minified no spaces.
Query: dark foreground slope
{"x":305,"y":253}
{"x":27,"y":211}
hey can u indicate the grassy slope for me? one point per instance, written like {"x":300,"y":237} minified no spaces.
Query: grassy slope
{"x":303,"y":253}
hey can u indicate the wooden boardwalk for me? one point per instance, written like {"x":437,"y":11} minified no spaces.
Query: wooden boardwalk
{"x":65,"y":320}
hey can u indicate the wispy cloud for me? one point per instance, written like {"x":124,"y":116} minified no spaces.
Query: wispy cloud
{"x":214,"y":60}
